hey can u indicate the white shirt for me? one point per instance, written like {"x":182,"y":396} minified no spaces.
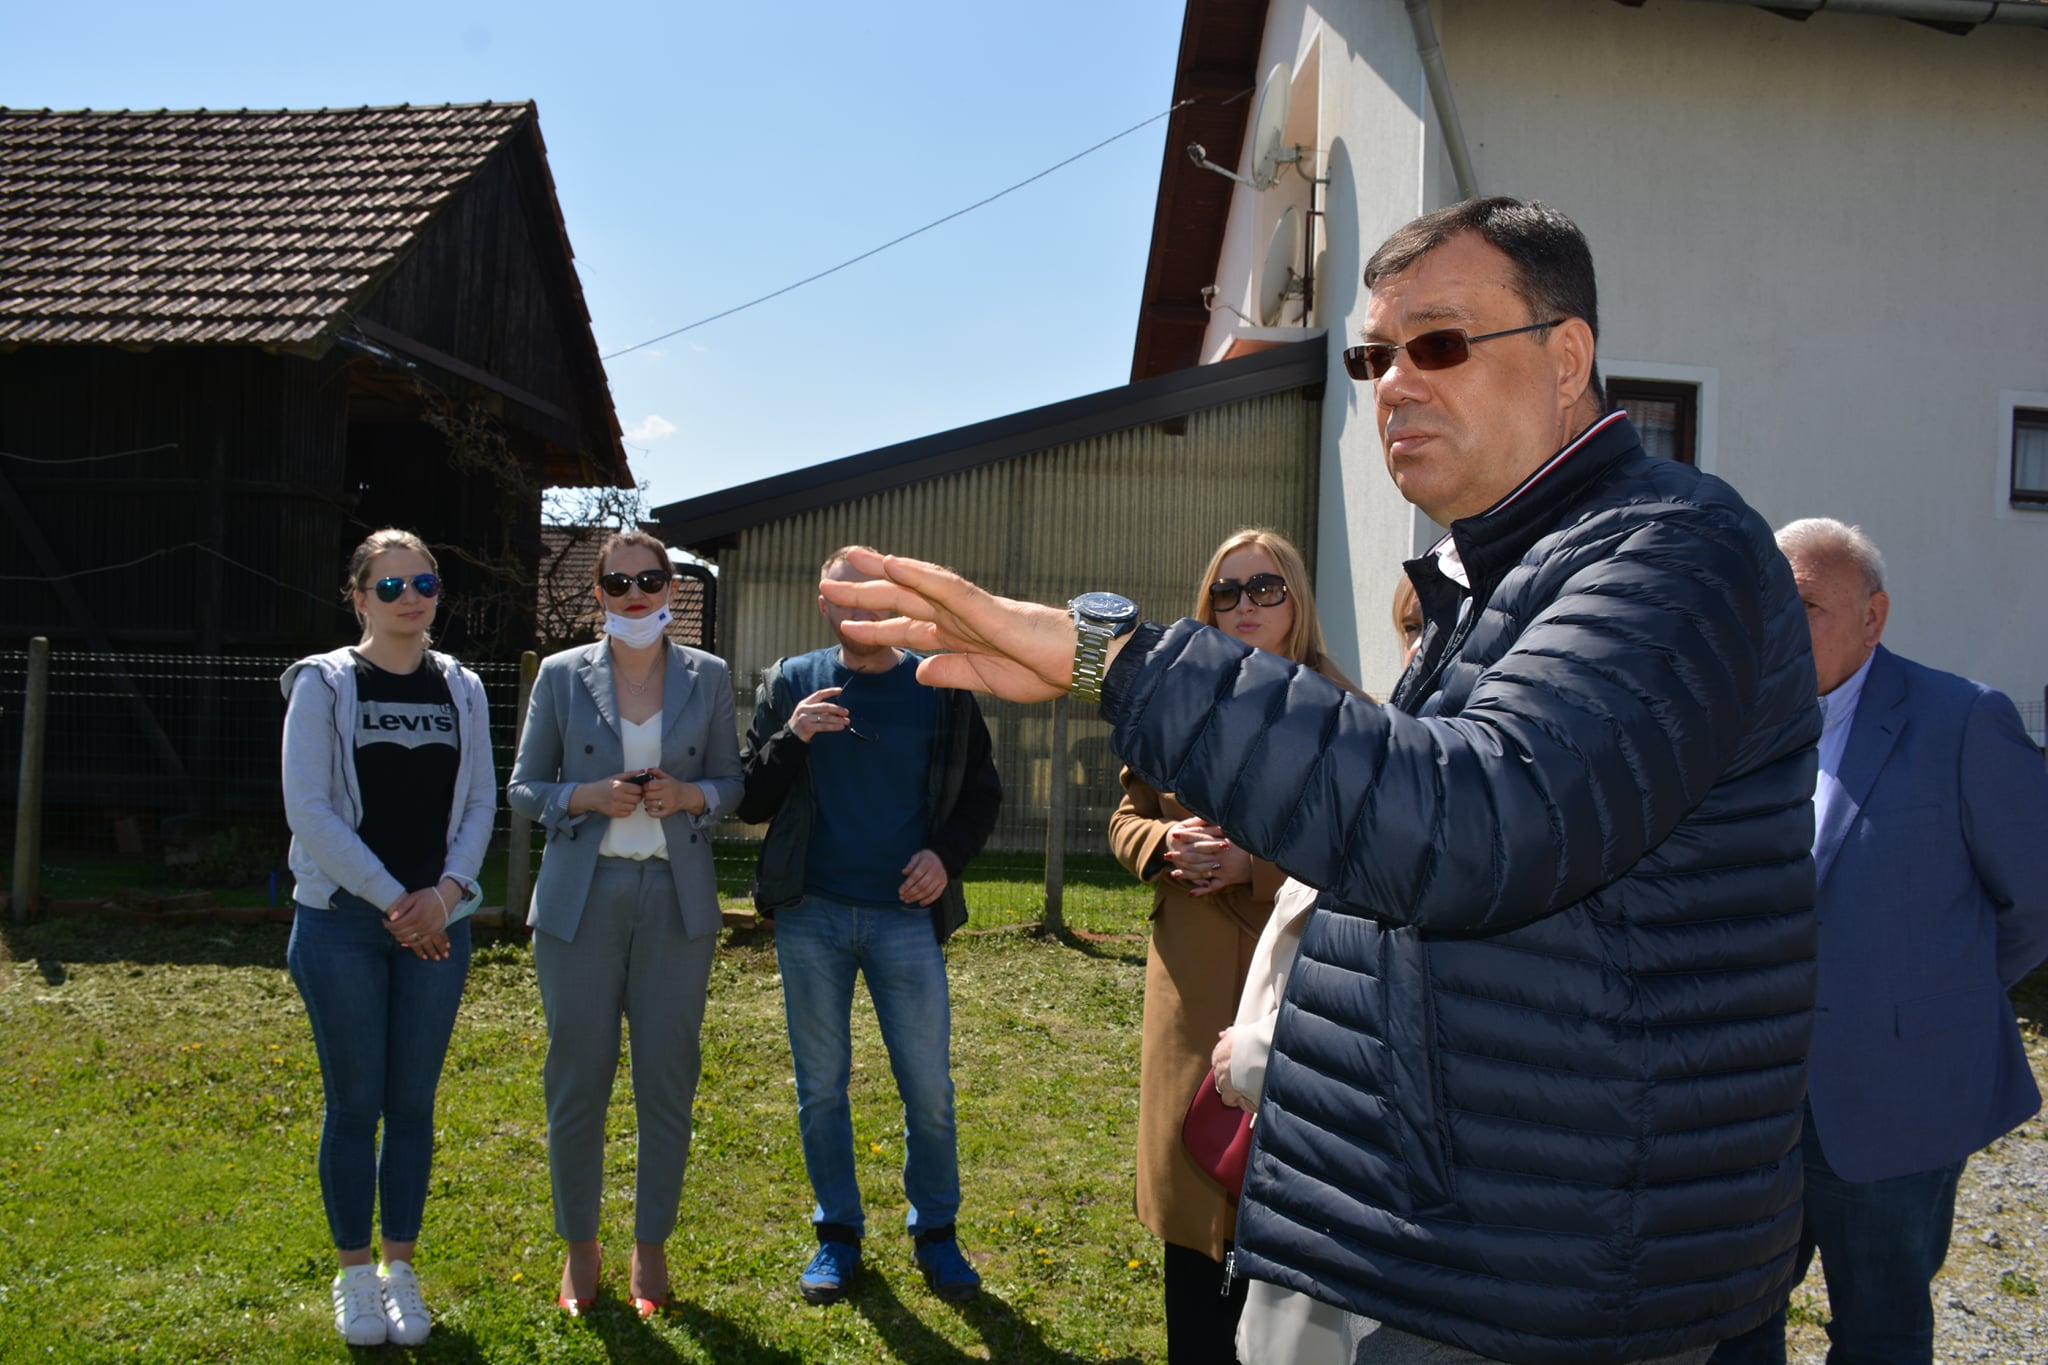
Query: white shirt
{"x":1837,"y":718}
{"x":637,"y":835}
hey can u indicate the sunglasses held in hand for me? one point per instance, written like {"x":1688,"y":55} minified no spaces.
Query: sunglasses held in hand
{"x":1266,"y":589}
{"x":391,"y":589}
{"x":650,"y":581}
{"x":1439,"y":350}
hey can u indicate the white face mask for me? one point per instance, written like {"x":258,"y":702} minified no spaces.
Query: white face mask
{"x":637,"y":631}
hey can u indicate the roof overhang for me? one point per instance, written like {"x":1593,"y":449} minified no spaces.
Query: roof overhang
{"x":714,"y":521}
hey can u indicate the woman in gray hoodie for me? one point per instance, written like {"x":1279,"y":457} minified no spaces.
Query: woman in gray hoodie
{"x":390,"y":794}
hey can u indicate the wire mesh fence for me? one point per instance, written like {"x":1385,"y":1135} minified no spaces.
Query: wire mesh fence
{"x":180,"y":737}
{"x":2034,"y":715}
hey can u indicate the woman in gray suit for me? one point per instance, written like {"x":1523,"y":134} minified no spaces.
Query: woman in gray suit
{"x":630,"y":754}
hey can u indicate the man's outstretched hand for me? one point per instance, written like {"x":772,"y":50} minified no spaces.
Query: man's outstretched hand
{"x":1019,"y":651}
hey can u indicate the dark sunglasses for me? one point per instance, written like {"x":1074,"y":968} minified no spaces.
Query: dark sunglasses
{"x":1266,"y":589}
{"x":1438,"y":350}
{"x":391,"y":589}
{"x":650,"y":581}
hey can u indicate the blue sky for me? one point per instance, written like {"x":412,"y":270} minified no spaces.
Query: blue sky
{"x":709,"y":153}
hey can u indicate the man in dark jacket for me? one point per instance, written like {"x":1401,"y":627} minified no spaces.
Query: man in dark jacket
{"x":878,"y":791}
{"x":1534,"y":1094}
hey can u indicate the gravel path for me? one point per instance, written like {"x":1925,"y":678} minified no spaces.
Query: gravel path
{"x":1991,"y":1299}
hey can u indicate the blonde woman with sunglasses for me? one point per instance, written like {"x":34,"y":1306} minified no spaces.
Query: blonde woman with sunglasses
{"x":1211,"y":899}
{"x":390,"y":795}
{"x":629,"y":756}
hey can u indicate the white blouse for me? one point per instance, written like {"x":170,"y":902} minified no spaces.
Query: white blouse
{"x":637,"y":835}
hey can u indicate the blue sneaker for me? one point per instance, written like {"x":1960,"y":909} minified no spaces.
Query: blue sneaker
{"x":946,"y":1272}
{"x":831,"y":1272}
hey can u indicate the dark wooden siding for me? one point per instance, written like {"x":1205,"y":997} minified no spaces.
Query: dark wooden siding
{"x":478,"y":287}
{"x":238,"y":451}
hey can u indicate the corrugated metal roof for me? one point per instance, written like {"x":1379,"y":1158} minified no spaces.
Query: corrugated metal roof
{"x":215,"y":226}
{"x":713,"y":521}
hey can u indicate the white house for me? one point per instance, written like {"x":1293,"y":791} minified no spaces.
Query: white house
{"x":1817,"y":226}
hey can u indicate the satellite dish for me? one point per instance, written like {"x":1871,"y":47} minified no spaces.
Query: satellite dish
{"x":1277,"y":280}
{"x":1269,"y":125}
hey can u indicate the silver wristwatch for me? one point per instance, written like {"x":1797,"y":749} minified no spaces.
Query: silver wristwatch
{"x":1099,"y":617}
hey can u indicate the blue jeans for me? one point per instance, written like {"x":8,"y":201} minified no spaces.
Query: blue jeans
{"x":1881,"y":1242}
{"x":819,"y":946}
{"x":381,"y":1022}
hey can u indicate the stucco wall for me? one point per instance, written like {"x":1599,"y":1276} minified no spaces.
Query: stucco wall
{"x":1832,"y":225}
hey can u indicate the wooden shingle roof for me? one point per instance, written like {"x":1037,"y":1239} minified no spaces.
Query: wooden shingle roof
{"x":210,"y":226}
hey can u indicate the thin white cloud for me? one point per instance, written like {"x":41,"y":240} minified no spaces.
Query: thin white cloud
{"x":652,"y":427}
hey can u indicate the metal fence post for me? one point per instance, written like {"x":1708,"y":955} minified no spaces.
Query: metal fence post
{"x":519,"y":850}
{"x":1054,"y":921}
{"x":28,"y":809}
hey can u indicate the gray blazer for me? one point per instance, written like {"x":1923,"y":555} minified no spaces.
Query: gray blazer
{"x":572,"y":736}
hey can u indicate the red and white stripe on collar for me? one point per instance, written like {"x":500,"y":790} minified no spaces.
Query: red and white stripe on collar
{"x":1446,"y":550}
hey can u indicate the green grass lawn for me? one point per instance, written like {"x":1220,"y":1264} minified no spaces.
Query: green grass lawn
{"x":1002,"y":888}
{"x":160,"y":1109}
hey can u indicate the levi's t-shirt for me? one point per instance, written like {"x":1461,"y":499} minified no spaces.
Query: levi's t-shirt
{"x":407,"y":754}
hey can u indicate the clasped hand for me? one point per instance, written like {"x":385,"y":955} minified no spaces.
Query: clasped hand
{"x":419,"y":919}
{"x":617,"y":796}
{"x":1203,"y":858}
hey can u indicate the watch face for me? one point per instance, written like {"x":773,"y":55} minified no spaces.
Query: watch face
{"x":1105,"y":607}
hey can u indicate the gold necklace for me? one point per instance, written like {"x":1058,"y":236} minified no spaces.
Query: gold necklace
{"x":636,"y":688}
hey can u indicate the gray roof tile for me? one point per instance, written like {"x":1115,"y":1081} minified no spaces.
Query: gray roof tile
{"x":216,"y":226}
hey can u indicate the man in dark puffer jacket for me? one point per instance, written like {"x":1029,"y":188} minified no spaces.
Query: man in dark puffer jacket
{"x":1535,"y":1089}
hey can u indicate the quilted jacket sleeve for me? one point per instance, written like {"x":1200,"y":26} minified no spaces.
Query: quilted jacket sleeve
{"x":1618,"y":672}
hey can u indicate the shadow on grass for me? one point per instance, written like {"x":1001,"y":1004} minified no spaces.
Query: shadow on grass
{"x":51,"y":944}
{"x":1008,"y":1336}
{"x":1107,"y":947}
{"x":721,"y":1338}
{"x":446,"y":1346}
{"x":101,"y":938}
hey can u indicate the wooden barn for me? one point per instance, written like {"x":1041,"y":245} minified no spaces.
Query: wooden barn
{"x":232,"y":342}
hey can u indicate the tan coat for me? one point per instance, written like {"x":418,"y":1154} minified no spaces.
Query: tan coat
{"x":1201,"y":949}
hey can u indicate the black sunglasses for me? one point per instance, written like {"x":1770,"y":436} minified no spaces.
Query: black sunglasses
{"x":391,"y":589}
{"x":650,"y":581}
{"x":1438,"y":350}
{"x":1266,"y":589}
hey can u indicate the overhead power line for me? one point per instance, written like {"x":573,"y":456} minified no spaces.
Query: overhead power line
{"x":898,"y":241}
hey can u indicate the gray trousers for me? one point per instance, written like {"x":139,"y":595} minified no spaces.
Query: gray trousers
{"x":630,"y":959}
{"x":1282,"y":1327}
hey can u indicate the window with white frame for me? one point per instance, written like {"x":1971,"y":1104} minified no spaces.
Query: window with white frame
{"x":1666,"y":415}
{"x":2029,"y":488}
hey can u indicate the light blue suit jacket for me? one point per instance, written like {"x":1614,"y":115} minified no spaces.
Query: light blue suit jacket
{"x":1933,"y":901}
{"x":572,"y":736}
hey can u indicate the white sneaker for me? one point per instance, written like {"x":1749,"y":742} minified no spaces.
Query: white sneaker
{"x":406,"y":1320}
{"x":359,"y":1306}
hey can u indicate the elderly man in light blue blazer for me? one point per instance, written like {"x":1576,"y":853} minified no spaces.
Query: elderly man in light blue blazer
{"x":1931,"y":853}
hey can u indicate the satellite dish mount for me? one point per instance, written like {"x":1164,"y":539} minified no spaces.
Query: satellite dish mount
{"x":1270,"y":151}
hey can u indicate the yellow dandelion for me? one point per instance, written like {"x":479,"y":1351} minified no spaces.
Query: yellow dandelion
{"x":1134,"y":1263}
{"x":518,"y":1278}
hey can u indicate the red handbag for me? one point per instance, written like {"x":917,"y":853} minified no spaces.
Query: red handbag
{"x":1218,"y":1136}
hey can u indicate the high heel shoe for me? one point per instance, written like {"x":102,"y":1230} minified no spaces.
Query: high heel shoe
{"x":648,"y":1307}
{"x":572,"y":1305}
